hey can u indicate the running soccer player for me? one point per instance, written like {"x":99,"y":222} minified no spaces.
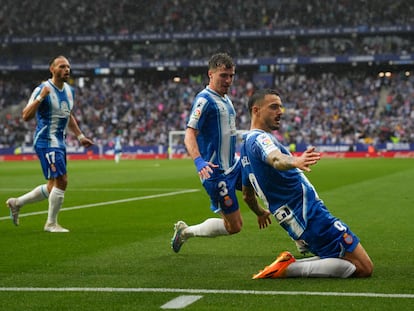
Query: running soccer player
{"x":276,"y":176}
{"x":51,"y":103}
{"x":118,"y":148}
{"x":210,"y":139}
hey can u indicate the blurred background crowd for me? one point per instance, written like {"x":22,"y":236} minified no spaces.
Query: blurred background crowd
{"x":328,"y":103}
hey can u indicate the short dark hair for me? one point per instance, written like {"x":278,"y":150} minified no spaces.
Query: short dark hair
{"x":55,"y":58}
{"x":221,"y":59}
{"x":260,"y":95}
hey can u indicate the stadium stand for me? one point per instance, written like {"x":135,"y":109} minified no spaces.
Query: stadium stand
{"x":345,"y":78}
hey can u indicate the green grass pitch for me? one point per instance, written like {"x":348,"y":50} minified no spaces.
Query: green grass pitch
{"x":118,"y":256}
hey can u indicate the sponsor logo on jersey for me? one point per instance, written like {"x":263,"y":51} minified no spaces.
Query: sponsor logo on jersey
{"x":264,"y":140}
{"x":245,"y":161}
{"x":266,"y":143}
{"x":197,"y":113}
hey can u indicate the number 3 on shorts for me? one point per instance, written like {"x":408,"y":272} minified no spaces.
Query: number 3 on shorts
{"x":223,"y":188}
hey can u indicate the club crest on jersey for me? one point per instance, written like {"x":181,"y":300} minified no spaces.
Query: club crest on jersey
{"x":348,"y":239}
{"x":228,"y":201}
{"x":64,"y":106}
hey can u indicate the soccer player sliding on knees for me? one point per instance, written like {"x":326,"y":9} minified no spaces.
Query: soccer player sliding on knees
{"x":271,"y":172}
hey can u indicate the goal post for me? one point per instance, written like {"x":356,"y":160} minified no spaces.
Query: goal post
{"x":176,"y":147}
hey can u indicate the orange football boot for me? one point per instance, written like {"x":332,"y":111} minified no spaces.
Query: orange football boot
{"x":277,"y":268}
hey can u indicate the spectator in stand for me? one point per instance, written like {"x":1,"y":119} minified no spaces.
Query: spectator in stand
{"x":112,"y":17}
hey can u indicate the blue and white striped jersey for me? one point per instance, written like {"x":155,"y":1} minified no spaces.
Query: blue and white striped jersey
{"x":215,"y":119}
{"x":118,"y":144}
{"x":292,"y":199}
{"x":276,"y":188}
{"x":52,"y":115}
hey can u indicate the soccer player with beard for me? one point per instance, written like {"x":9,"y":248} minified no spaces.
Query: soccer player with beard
{"x":271,"y":172}
{"x":52,"y":104}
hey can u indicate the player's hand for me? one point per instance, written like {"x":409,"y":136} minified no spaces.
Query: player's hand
{"x":44,"y":92}
{"x":308,"y":158}
{"x":265,"y":219}
{"x":204,"y":168}
{"x":86,"y":142}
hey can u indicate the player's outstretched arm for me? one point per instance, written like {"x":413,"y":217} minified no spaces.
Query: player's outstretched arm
{"x":284,"y":162}
{"x":308,"y":158}
{"x":263,"y":216}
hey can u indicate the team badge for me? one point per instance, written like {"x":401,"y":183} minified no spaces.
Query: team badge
{"x":348,"y":239}
{"x":228,"y":201}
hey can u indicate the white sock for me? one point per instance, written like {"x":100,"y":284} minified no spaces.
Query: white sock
{"x":321,"y":268}
{"x":37,"y":194}
{"x":211,"y":227}
{"x":55,"y":203}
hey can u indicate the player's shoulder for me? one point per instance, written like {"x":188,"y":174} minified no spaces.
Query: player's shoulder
{"x":202,"y":100}
{"x":68,"y":86}
{"x":255,"y":134}
{"x":41,"y":85}
{"x":262,"y":140}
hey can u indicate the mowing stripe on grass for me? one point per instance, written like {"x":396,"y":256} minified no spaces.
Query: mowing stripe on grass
{"x":147,"y":197}
{"x":199,"y":291}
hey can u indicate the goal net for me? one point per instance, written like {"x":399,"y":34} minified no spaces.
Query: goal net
{"x":176,"y":147}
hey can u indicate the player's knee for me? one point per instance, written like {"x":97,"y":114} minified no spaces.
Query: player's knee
{"x":368,"y":270}
{"x":233,"y":228}
{"x":365,"y":270}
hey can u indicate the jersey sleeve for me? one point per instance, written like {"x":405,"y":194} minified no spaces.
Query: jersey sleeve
{"x":198,"y":111}
{"x":35,"y":93}
{"x":265,"y":144}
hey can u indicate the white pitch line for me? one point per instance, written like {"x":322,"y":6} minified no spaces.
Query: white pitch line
{"x":200,"y":291}
{"x":181,"y":302}
{"x":154,"y":196}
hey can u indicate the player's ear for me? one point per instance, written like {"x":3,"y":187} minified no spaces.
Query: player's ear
{"x":255,"y":109}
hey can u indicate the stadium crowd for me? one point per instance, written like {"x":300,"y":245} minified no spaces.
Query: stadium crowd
{"x":129,"y":16}
{"x":330,"y":107}
{"x":324,"y":109}
{"x":111,"y":17}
